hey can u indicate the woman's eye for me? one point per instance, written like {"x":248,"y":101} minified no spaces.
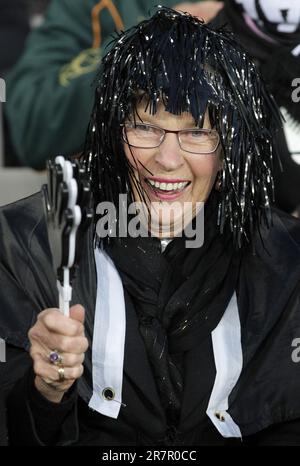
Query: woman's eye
{"x":196,"y":134}
{"x":144,"y":128}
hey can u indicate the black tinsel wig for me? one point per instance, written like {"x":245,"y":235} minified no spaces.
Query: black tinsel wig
{"x":190,"y":66}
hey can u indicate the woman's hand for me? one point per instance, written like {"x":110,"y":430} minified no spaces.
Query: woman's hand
{"x":206,"y":10}
{"x":65,"y":335}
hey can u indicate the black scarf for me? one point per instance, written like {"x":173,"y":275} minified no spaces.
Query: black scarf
{"x":179,"y":297}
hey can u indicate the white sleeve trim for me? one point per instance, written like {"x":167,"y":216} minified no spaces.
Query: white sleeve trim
{"x":108,"y":337}
{"x":227,"y":348}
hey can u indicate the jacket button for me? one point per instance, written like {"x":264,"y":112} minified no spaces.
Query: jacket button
{"x":220,"y":416}
{"x":108,"y":393}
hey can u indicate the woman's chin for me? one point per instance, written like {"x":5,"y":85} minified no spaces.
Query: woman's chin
{"x":165,"y":220}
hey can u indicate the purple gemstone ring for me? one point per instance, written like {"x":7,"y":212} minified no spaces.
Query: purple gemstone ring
{"x":55,"y":357}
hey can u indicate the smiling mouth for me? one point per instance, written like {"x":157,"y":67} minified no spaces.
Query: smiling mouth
{"x":167,"y":187}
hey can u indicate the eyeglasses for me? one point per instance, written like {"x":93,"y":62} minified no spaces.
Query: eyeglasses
{"x":195,"y":141}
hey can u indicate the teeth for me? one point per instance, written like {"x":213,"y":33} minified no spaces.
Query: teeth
{"x":168,"y":186}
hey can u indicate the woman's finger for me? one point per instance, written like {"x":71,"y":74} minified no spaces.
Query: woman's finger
{"x":62,"y":343}
{"x":56,"y":322}
{"x":66,"y":359}
{"x":56,"y":374}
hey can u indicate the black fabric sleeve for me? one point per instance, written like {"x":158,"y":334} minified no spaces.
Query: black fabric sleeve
{"x":283,"y":434}
{"x":33,"y":420}
{"x":3,"y":433}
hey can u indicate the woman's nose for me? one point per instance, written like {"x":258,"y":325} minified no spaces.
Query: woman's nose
{"x":169,"y":154}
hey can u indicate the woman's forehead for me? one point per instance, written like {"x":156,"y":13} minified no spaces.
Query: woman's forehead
{"x":143,"y":112}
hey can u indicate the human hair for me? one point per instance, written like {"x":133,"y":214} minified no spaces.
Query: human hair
{"x":190,"y":66}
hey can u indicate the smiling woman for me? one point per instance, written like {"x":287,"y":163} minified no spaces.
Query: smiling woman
{"x":178,"y":345}
{"x":215,"y":88}
{"x":172,"y":160}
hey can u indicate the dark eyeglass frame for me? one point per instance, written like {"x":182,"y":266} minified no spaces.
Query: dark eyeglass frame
{"x":166,"y":131}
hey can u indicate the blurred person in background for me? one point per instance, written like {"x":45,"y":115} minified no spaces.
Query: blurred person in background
{"x":50,"y":90}
{"x":270,"y":32}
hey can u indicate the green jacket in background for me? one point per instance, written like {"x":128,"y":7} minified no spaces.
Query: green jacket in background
{"x":50,"y":90}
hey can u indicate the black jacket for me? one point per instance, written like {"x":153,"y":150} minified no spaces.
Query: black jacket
{"x":264,"y":403}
